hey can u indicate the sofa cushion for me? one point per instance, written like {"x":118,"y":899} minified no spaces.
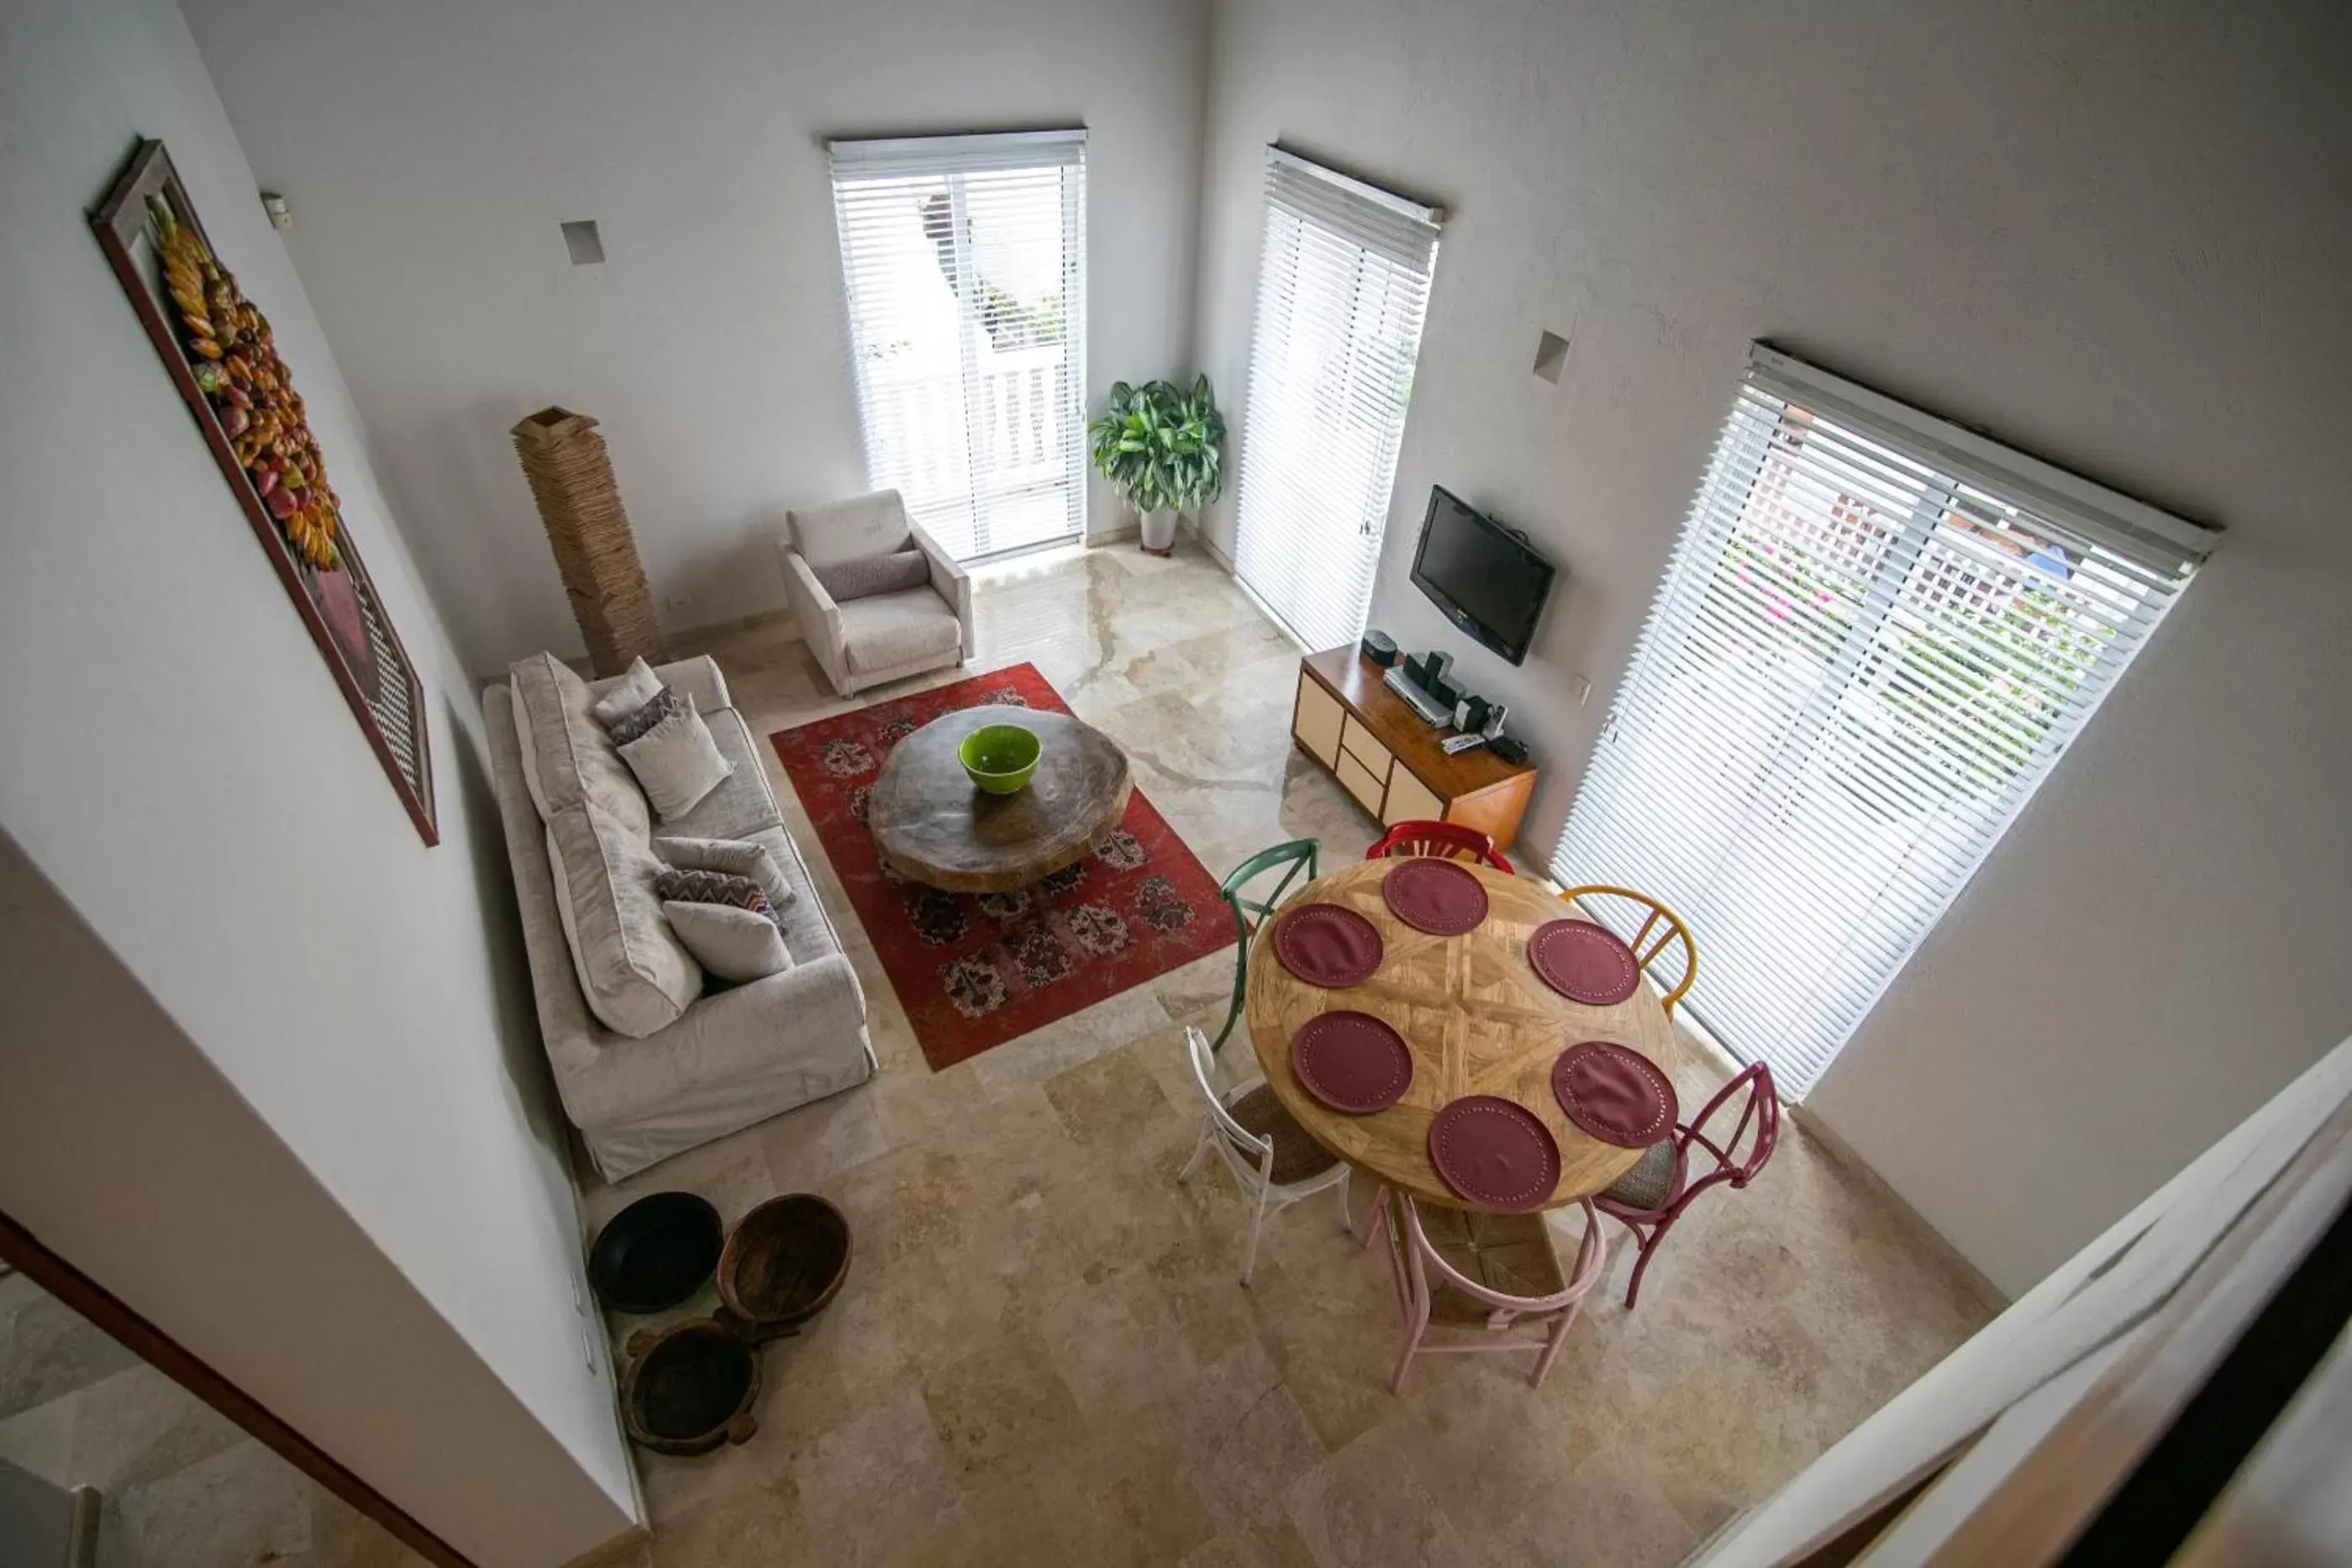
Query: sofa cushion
{"x":634,"y":972}
{"x":889,"y":630}
{"x":519,"y":718}
{"x":635,"y":687}
{"x":676,"y":763}
{"x":573,"y":760}
{"x":737,"y":857}
{"x":742,"y":805}
{"x":634,"y":724}
{"x":732,"y":943}
{"x":676,"y":887}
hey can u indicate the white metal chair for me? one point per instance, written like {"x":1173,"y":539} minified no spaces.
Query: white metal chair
{"x":1269,"y":1153}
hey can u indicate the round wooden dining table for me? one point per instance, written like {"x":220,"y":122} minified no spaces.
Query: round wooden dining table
{"x":1473,"y":1012}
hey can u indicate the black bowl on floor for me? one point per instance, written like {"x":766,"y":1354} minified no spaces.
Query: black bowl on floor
{"x":656,"y":1253}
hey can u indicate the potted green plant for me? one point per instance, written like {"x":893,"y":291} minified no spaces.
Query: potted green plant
{"x":1163,"y":446}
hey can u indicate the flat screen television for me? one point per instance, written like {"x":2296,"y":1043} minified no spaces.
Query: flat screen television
{"x":1485,"y":577}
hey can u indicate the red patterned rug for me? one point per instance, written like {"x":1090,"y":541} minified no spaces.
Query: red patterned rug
{"x":976,"y":970}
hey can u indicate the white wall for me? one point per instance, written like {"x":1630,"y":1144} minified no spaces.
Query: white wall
{"x":180,"y":765}
{"x":431,"y":150}
{"x":2112,"y":234}
{"x":123,"y":1147}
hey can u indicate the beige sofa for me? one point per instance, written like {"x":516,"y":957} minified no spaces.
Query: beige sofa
{"x":647,"y":1064}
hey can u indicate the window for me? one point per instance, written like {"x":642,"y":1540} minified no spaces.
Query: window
{"x":964,"y":262}
{"x":1342,"y":283}
{"x":1877,"y":634}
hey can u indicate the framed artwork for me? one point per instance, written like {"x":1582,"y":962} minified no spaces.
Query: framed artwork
{"x":219,"y":350}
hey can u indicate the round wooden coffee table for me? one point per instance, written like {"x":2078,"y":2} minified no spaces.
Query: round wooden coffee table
{"x":931,"y":824}
{"x":1477,"y":1017}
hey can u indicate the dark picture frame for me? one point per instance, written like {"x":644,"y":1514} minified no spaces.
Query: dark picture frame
{"x":338,"y":603}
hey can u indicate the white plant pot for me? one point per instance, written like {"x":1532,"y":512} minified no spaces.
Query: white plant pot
{"x":1159,"y":531}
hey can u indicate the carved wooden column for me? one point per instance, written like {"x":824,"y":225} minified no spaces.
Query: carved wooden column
{"x":571,"y":479}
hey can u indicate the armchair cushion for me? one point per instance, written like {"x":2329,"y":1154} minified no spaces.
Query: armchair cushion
{"x":887,"y":631}
{"x":847,"y":580}
{"x":850,"y":530}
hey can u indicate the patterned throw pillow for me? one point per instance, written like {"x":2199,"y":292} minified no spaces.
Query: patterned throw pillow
{"x":891,"y":573}
{"x":672,"y":885}
{"x":663,"y":703}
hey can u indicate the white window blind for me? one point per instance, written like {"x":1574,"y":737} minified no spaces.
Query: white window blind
{"x":1343,"y":280}
{"x":964,"y":262}
{"x":1878,"y":632}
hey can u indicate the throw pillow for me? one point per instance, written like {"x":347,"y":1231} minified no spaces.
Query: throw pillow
{"x":631,"y":691}
{"x":676,"y":763}
{"x":735,"y":857}
{"x":658,"y":707}
{"x":892,"y":573}
{"x":672,"y":885}
{"x":730,"y":942}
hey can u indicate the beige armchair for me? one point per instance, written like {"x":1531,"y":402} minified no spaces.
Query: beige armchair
{"x":866,"y":640}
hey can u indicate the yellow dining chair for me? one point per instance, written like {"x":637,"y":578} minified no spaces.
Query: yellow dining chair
{"x":1661,"y":934}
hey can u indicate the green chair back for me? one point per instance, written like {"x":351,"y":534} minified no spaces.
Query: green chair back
{"x":1290,"y":859}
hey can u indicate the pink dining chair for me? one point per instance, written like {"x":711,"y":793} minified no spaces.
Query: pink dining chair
{"x":1444,"y":840}
{"x":1649,"y":1198}
{"x":1484,"y":1271}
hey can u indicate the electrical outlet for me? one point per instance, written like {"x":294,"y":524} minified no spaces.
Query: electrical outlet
{"x":1583,"y":691}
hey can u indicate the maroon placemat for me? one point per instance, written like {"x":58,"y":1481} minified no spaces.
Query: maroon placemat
{"x":1351,"y":1061}
{"x":1495,"y":1154}
{"x":1324,"y":945}
{"x":1584,"y":962}
{"x":1434,"y":896}
{"x":1618,"y":1096}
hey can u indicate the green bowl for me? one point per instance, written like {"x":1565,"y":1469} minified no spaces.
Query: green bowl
{"x":1000,"y":757}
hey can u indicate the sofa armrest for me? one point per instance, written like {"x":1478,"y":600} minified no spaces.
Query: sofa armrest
{"x":948,"y":580}
{"x":816,"y":1007}
{"x":700,"y":678}
{"x":815,"y":613}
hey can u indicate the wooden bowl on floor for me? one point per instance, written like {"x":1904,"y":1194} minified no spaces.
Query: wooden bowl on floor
{"x":690,"y":1388}
{"x":782,"y":1263}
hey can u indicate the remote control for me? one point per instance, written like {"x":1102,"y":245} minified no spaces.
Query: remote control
{"x":1455,"y":745}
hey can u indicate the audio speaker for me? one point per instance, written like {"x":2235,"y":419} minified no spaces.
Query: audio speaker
{"x":1381,"y":648}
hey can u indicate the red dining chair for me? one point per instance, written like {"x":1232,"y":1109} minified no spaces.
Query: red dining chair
{"x":1444,"y":840}
{"x":1655,"y":1192}
{"x":1487,"y":1273}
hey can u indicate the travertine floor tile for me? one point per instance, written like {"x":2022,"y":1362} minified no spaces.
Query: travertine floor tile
{"x":1044,"y":1353}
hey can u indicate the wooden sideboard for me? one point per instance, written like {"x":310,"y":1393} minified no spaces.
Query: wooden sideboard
{"x":1384,"y":755}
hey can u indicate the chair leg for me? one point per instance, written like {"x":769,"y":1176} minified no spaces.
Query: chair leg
{"x":1258,"y":1224}
{"x":1346,"y":1216}
{"x":1642,"y":1262}
{"x":1416,"y":1323}
{"x":1375,"y":1218}
{"x":1199,"y":1153}
{"x":1551,"y":1347}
